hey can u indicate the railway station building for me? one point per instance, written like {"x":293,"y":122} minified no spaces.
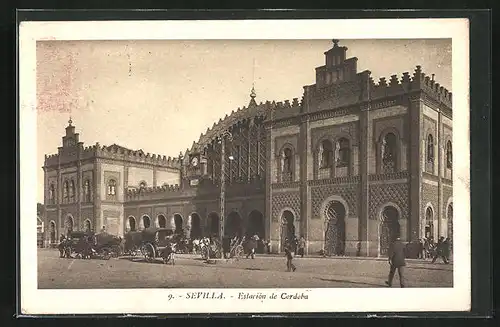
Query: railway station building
{"x":348,"y":166}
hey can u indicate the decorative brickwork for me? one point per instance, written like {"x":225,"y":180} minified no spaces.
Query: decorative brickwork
{"x":429,"y":194}
{"x":349,"y":192}
{"x":285,"y":199}
{"x":395,"y":193}
{"x":447,"y":193}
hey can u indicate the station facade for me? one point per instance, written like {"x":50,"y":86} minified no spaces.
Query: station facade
{"x":349,"y":166}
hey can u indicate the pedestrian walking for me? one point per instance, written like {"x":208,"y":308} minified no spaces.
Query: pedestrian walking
{"x":251,"y":245}
{"x":440,"y":251}
{"x":421,"y":249}
{"x":302,"y":246}
{"x":397,"y":261}
{"x":289,"y":258}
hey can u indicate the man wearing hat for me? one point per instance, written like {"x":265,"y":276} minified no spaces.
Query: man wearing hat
{"x":397,"y":261}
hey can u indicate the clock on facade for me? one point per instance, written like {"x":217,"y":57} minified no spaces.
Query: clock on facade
{"x":194,"y":161}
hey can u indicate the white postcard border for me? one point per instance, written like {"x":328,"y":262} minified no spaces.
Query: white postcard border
{"x":123,"y":301}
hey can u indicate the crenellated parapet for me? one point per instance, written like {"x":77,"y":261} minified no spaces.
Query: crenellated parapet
{"x":159,"y":192}
{"x":419,"y":81}
{"x":137,"y":156}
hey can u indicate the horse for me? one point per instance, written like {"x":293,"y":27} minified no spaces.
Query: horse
{"x":169,"y":253}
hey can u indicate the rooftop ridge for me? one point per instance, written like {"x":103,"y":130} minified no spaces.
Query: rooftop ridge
{"x":242,"y":113}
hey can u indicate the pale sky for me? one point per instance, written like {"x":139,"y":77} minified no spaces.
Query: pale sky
{"x":160,"y":96}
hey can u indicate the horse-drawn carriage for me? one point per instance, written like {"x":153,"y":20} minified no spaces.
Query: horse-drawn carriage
{"x":210,"y":248}
{"x":87,"y":245}
{"x":152,"y":243}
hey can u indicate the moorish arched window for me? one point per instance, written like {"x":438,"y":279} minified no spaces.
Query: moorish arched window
{"x":66,"y":191}
{"x":389,"y":153}
{"x":287,"y":165}
{"x":112,"y":187}
{"x":86,"y":191}
{"x":430,"y":149}
{"x":72,"y":191}
{"x":325,"y":154}
{"x":449,"y":155}
{"x":343,"y":152}
{"x":52,"y":194}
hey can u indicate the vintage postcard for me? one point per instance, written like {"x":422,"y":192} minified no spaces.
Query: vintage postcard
{"x":244,"y":166}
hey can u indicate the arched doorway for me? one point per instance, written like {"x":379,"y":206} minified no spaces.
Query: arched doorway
{"x":131,"y":224}
{"x":213,"y":224}
{"x":256,"y":226}
{"x":234,"y":225}
{"x":335,"y":213}
{"x":52,"y":232}
{"x":450,"y":220}
{"x":178,"y":224}
{"x":287,"y":228}
{"x":162,"y":221}
{"x":196,"y":232}
{"x":429,"y":223}
{"x":69,"y":224}
{"x":87,"y":227}
{"x":389,"y":229}
{"x":146,"y":221}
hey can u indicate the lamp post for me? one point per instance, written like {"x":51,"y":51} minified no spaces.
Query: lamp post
{"x":224,"y":135}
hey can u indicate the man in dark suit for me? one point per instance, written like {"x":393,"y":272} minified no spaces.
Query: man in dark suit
{"x":397,"y":261}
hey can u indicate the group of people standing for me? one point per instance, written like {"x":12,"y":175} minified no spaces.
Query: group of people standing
{"x":429,"y":249}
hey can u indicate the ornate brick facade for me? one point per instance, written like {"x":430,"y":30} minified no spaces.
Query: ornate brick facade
{"x":376,"y":158}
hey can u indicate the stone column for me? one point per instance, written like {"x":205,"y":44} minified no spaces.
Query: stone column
{"x":415,"y":168}
{"x":98,"y":222}
{"x":363,"y":221}
{"x":305,"y":168}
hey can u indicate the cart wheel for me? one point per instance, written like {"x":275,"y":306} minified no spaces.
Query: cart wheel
{"x":106,"y":254}
{"x":149,"y":252}
{"x":239,"y":251}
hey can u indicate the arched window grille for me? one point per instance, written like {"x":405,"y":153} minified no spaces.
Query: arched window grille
{"x":73,"y":191}
{"x":86,"y":191}
{"x":389,"y":153}
{"x":325,"y":154}
{"x":112,"y":187}
{"x":430,"y":149}
{"x":343,"y":152}
{"x":287,"y":165}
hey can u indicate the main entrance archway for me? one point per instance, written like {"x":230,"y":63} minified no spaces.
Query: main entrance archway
{"x":213,"y":224}
{"x":87,"y":226}
{"x":146,"y":221}
{"x":162,"y":221}
{"x":131,"y":224}
{"x":196,"y":232}
{"x":287,"y":228}
{"x":52,"y":231}
{"x":69,"y":224}
{"x":429,"y":223}
{"x":234,"y":225}
{"x":178,"y":224}
{"x":335,"y":213}
{"x":255,"y":224}
{"x":389,"y":229}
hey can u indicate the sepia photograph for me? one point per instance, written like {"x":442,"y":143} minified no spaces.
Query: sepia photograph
{"x":273,"y":167}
